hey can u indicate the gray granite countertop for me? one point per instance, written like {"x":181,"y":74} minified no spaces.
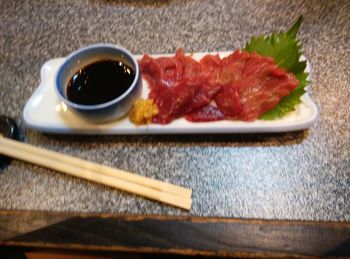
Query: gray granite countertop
{"x":301,"y":175}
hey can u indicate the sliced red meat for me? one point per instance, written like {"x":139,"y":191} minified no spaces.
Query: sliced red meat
{"x":228,"y":101}
{"x":211,"y":66}
{"x":263,"y":87}
{"x":240,"y":86}
{"x":205,"y":95}
{"x":151,"y":70}
{"x":232,"y":67}
{"x":178,"y":85}
{"x":174,"y":102}
{"x":205,"y":113}
{"x":172,"y":71}
{"x":256,"y":81}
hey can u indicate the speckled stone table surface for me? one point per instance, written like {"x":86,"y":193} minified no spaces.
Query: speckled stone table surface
{"x":301,"y":175}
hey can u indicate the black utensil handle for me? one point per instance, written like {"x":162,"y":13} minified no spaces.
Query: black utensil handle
{"x":8,"y":129}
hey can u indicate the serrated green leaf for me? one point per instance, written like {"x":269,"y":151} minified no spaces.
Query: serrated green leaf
{"x":285,"y":49}
{"x":286,"y":105}
{"x":293,"y":31}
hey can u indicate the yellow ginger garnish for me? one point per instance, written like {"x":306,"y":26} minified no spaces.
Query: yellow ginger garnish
{"x":143,"y":111}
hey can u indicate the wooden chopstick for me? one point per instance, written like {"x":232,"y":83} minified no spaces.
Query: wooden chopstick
{"x":142,"y":180}
{"x":163,"y":192}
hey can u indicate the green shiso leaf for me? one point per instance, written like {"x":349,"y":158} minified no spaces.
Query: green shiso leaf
{"x":285,"y":49}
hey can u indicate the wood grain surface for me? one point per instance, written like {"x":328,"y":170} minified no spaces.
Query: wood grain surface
{"x":173,"y":235}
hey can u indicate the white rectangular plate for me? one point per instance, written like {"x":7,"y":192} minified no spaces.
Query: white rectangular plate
{"x":44,"y":112}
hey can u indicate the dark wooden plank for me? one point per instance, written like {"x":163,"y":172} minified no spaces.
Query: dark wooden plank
{"x":14,"y":223}
{"x":184,"y":235}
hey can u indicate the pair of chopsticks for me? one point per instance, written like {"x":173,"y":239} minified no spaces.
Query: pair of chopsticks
{"x":140,"y":185}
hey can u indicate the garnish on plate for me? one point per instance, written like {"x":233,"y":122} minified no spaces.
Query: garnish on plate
{"x":143,"y":111}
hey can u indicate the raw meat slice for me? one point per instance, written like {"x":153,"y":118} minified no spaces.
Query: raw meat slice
{"x":241,"y":86}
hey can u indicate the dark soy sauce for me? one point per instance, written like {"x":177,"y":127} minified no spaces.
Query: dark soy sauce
{"x":100,"y":82}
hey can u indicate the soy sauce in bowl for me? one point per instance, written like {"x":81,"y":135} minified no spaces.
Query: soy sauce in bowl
{"x":100,"y":82}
